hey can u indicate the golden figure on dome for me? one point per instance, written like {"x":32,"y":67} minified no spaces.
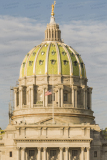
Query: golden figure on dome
{"x":53,"y":6}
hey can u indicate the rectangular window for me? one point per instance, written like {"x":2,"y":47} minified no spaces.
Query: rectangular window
{"x":31,"y":153}
{"x":65,"y":96}
{"x":74,"y":152}
{"x":52,"y":153}
{"x":95,"y":153}
{"x":10,"y":154}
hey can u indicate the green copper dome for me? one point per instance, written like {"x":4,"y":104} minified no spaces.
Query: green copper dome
{"x":52,"y":57}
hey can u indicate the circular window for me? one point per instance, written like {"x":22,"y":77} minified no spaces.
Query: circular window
{"x":65,"y":62}
{"x":53,"y":61}
{"x":63,"y":53}
{"x":42,"y":53}
{"x":53,"y":52}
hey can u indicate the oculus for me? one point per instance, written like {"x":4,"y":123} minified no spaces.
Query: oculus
{"x":63,"y":53}
{"x":42,"y":53}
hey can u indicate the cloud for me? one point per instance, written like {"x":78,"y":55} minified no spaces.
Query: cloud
{"x":18,"y":35}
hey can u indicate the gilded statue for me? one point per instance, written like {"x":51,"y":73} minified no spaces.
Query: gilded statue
{"x":53,"y":6}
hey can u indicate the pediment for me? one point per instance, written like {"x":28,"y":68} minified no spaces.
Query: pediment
{"x":51,"y":120}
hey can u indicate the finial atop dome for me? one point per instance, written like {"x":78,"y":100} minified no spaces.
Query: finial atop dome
{"x":53,"y":6}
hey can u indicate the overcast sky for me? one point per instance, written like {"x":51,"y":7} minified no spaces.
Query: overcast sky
{"x":83,"y":26}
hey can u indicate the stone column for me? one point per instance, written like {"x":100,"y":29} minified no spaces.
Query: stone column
{"x":15,"y":98}
{"x":20,"y":96}
{"x":18,"y":152}
{"x":90,"y":98}
{"x":39,"y":153}
{"x":73,"y":96}
{"x":85,"y":98}
{"x":44,"y":152}
{"x":43,"y":97}
{"x":88,"y":153}
{"x":59,"y":97}
{"x":61,"y":153}
{"x":23,"y":153}
{"x":46,"y":97}
{"x":84,"y":103}
{"x":31,"y":96}
{"x":66,"y":149}
{"x":82,"y":153}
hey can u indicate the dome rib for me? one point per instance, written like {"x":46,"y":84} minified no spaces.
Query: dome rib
{"x":34,"y":67}
{"x":30,"y":53}
{"x":70,"y":61}
{"x":47,"y":55}
{"x":59,"y":59}
{"x":80,"y":70}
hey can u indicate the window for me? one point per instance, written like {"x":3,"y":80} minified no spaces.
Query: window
{"x":65,"y":96}
{"x":31,"y":153}
{"x":53,"y":61}
{"x":30,"y":63}
{"x":34,"y":53}
{"x":27,"y":54}
{"x":24,"y":64}
{"x":10,"y":154}
{"x":40,"y":62}
{"x":81,"y":64}
{"x":53,"y":52}
{"x":65,"y":62}
{"x":75,"y":63}
{"x":95,"y":153}
{"x":52,"y":153}
{"x":74,"y":152}
{"x":63,"y":53}
{"x":42,"y":53}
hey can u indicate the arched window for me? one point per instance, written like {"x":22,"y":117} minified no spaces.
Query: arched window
{"x":65,"y":96}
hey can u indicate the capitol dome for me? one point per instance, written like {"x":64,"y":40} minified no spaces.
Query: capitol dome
{"x":52,"y":56}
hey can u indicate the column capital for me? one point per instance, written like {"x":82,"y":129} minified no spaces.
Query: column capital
{"x":82,"y":148}
{"x":44,"y":148}
{"x":88,"y":148}
{"x":74,"y":87}
{"x":23,"y":148}
{"x":61,"y":148}
{"x":39,"y":148}
{"x":17,"y":148}
{"x":66,"y":148}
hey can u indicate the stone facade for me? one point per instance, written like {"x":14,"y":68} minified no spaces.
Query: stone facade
{"x":59,"y":126}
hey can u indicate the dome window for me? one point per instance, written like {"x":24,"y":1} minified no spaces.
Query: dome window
{"x":40,"y":62}
{"x":65,"y":62}
{"x":34,"y":53}
{"x":27,"y":54}
{"x":63,"y":53}
{"x":53,"y":61}
{"x":53,"y":45}
{"x":77,"y":55}
{"x":81,"y":64}
{"x":30,"y":63}
{"x":53,"y":52}
{"x":24,"y":64}
{"x":72,"y":54}
{"x":45,"y":45}
{"x":75,"y":63}
{"x":42,"y":53}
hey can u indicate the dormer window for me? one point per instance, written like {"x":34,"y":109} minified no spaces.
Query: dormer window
{"x":53,"y":61}
{"x":53,"y":52}
{"x":65,"y":62}
{"x":81,"y":64}
{"x":40,"y":62}
{"x":75,"y":63}
{"x":24,"y":64}
{"x":30,"y":63}
{"x":72,"y":54}
{"x":42,"y":53}
{"x":63,"y":53}
{"x":77,"y":55}
{"x":34,"y":53}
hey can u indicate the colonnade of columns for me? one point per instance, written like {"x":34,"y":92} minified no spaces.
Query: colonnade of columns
{"x":30,"y":96}
{"x":82,"y":155}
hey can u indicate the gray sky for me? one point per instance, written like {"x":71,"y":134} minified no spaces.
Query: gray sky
{"x":83,"y":26}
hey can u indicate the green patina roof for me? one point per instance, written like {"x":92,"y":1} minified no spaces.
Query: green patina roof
{"x":38,"y":63}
